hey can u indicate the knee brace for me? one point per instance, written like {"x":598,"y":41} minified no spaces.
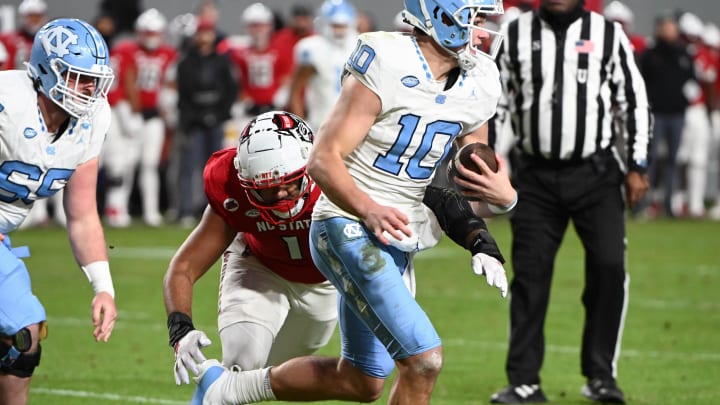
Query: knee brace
{"x":17,"y":363}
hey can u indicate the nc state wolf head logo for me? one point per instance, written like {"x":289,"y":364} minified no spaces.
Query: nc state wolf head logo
{"x":291,"y":124}
{"x":57,"y":40}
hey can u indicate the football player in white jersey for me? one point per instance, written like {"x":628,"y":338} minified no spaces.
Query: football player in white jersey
{"x":405,"y":100}
{"x":320,"y":60}
{"x":53,"y":120}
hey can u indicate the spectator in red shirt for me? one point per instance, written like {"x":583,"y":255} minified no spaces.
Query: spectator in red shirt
{"x":299,"y":27}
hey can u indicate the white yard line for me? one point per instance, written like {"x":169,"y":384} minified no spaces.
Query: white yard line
{"x":573,"y":350}
{"x":103,"y":396}
{"x":133,"y":252}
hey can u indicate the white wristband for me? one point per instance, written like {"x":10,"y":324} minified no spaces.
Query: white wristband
{"x":498,"y":210}
{"x":98,"y":273}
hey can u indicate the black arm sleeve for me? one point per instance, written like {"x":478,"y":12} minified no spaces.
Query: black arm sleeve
{"x":179,"y":325}
{"x":460,"y":223}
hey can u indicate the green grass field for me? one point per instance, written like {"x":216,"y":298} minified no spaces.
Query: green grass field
{"x":671,"y":345}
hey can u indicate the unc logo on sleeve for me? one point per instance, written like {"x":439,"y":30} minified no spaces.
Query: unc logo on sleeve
{"x":410,"y":81}
{"x":58,"y":39}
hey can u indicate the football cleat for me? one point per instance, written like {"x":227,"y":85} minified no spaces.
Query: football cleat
{"x":605,"y":391}
{"x":519,"y":394}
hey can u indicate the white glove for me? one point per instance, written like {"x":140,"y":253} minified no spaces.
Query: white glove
{"x":188,"y":355}
{"x":493,"y":270}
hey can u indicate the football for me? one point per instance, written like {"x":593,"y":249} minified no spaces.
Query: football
{"x":485,"y":152}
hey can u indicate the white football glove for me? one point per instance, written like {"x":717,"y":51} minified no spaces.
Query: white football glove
{"x":188,"y":355}
{"x":493,"y":270}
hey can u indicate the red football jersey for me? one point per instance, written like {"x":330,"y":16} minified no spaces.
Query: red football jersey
{"x":152,"y":67}
{"x":262,"y":72}
{"x":715,"y":55}
{"x":120,"y":63}
{"x":705,"y":68}
{"x":18,"y":48}
{"x":283,"y":248}
{"x":638,"y":42}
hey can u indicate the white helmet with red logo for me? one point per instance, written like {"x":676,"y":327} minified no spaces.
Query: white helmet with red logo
{"x":273,"y":151}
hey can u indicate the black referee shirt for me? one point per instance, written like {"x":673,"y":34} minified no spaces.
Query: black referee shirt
{"x":565,"y":88}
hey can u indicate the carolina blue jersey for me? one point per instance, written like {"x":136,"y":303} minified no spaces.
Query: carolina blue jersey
{"x":417,"y":124}
{"x":33,"y":163}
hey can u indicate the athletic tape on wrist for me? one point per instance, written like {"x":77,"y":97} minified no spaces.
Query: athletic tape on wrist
{"x":498,"y":210}
{"x":98,"y":274}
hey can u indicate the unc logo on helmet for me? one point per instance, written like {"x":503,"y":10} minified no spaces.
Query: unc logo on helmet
{"x":57,"y":40}
{"x":273,"y":152}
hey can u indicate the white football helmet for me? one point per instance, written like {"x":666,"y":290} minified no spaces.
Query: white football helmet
{"x":691,"y":25}
{"x":150,"y":27}
{"x":711,"y":35}
{"x":151,"y":20}
{"x":617,"y":11}
{"x":257,"y":13}
{"x":273,"y":150}
{"x":32,"y":7}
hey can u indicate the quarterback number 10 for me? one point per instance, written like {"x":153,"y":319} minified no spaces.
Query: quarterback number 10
{"x":361,"y":58}
{"x":417,"y":165}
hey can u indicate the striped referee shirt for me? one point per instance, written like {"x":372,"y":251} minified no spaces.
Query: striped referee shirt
{"x":564,"y":90}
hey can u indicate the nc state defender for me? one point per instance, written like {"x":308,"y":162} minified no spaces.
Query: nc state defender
{"x":274,"y":304}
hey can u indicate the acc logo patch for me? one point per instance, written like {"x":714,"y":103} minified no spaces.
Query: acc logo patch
{"x":410,"y":81}
{"x":231,"y":204}
{"x":57,"y":40}
{"x":29,"y":133}
{"x":253,"y":213}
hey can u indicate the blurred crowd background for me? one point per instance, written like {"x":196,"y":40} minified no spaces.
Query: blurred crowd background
{"x":191,"y":73}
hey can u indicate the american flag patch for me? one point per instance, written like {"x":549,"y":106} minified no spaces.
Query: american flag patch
{"x":584,"y":46}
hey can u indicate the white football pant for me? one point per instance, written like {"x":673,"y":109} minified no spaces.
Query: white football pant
{"x":694,"y":152}
{"x":124,"y":152}
{"x":264,"y":319}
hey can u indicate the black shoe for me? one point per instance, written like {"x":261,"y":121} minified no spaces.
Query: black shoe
{"x":605,"y":391}
{"x":519,"y":394}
